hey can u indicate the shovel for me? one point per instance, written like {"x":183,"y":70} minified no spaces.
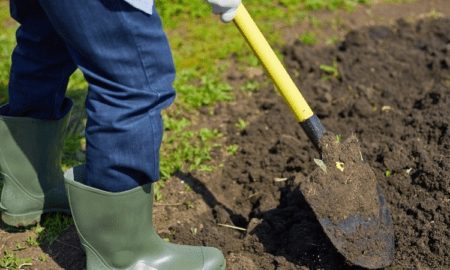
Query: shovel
{"x":364,"y":238}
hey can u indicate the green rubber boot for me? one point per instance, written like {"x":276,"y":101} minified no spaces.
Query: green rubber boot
{"x":116,"y":230}
{"x":30,"y":152}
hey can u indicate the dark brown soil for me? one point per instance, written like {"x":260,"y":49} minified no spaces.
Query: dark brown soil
{"x":393,"y":94}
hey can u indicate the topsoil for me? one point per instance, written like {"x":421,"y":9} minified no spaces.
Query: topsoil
{"x":393,"y":94}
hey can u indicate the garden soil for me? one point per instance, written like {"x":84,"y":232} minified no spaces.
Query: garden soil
{"x":393,"y":95}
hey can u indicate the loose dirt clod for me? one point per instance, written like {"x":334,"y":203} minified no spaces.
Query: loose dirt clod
{"x":337,"y":194}
{"x":345,"y":200}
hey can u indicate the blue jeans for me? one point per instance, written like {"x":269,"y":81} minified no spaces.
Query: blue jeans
{"x":125,"y":57}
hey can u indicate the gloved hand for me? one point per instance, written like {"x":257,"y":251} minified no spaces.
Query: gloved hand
{"x":226,"y":8}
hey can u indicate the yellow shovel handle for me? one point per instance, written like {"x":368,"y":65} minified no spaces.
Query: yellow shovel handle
{"x":273,"y":66}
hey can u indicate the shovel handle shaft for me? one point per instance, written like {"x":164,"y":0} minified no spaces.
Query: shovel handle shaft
{"x":272,"y":65}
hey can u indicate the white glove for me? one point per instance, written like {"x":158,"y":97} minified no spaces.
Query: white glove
{"x":226,"y":8}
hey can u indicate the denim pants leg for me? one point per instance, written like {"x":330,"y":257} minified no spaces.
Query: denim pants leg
{"x":41,"y":66}
{"x":125,"y":57}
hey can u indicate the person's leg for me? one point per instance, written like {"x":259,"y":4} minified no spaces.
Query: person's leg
{"x":41,"y":66}
{"x":32,"y":124}
{"x":126,"y":59}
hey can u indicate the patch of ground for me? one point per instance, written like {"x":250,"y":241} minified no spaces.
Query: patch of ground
{"x":393,"y":93}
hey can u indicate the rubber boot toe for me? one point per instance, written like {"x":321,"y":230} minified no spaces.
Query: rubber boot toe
{"x":213,"y":259}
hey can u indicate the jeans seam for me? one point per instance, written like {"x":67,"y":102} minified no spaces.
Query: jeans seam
{"x":152,"y":114}
{"x":138,"y":50}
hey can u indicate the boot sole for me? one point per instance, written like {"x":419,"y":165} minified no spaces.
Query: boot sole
{"x":28,"y":219}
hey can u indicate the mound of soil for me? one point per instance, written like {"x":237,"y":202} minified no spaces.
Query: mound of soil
{"x":393,"y":93}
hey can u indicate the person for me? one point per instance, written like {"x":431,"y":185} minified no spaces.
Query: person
{"x":124,"y":54}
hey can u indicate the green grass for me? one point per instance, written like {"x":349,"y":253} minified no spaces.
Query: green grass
{"x":42,"y":257}
{"x":209,"y":90}
{"x":19,"y":246}
{"x":13,"y":261}
{"x":193,"y":30}
{"x":251,"y":86}
{"x":241,"y":124}
{"x":174,"y":124}
{"x":187,"y":150}
{"x":331,"y":71}
{"x":54,"y":225}
{"x":399,"y":1}
{"x":7,"y":44}
{"x":206,"y":134}
{"x":183,"y":149}
{"x":232,"y":149}
{"x":332,"y":40}
{"x":308,"y":38}
{"x":32,"y":241}
{"x":77,"y":81}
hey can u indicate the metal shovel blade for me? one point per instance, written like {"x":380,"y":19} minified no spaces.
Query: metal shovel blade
{"x":374,"y":250}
